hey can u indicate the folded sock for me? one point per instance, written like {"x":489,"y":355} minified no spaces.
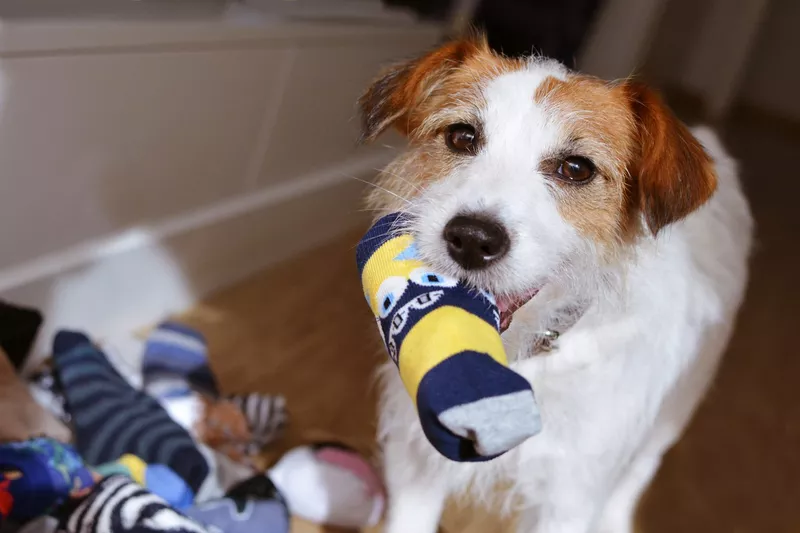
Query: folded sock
{"x":252,"y":506}
{"x":119,"y":505}
{"x":111,"y":418}
{"x":265,"y":414}
{"x":176,"y":359}
{"x":38,"y":475}
{"x":330,"y":484}
{"x":158,"y":479}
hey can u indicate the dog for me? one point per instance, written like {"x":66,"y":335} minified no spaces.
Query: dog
{"x":616,"y":241}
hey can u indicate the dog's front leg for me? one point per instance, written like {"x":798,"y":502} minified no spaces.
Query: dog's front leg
{"x":566,"y":509}
{"x":414,"y":509}
{"x":416,"y":498}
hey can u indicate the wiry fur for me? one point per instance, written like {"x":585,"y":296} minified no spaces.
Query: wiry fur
{"x":654,"y":250}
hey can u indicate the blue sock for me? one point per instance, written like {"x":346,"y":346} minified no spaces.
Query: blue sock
{"x":175,"y":360}
{"x":41,"y":474}
{"x":111,"y":418}
{"x":252,"y":506}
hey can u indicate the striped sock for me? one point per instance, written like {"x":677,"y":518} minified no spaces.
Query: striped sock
{"x":111,"y":418}
{"x":175,"y":360}
{"x":119,"y":505}
{"x":444,"y":337}
{"x":265,"y":414}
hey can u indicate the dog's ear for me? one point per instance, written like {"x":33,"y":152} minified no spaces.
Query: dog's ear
{"x":393,"y":96}
{"x":673,"y":175}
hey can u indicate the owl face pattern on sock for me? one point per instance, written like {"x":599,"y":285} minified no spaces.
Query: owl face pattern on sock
{"x":444,"y":337}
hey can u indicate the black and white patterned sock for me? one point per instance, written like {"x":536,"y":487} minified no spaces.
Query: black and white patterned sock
{"x":119,"y":505}
{"x":265,"y":414}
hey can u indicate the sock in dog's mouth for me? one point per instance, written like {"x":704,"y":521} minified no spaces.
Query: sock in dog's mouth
{"x":508,"y":305}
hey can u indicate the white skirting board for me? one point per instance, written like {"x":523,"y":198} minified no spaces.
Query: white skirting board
{"x":112,"y":286}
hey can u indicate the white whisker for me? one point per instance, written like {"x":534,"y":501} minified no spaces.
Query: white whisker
{"x":384,"y":189}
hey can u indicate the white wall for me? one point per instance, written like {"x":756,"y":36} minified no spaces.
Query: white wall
{"x":145,"y":162}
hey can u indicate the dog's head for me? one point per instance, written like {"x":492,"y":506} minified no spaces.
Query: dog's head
{"x":521,"y":171}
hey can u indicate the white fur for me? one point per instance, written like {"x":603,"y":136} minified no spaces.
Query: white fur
{"x":625,"y":378}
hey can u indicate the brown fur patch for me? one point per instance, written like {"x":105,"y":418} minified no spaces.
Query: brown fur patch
{"x":598,"y":126}
{"x":647,"y":159}
{"x":673,"y":174}
{"x":545,"y":88}
{"x":441,"y":86}
{"x":420,"y":98}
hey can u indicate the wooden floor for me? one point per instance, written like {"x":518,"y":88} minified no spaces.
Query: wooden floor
{"x":302,"y":330}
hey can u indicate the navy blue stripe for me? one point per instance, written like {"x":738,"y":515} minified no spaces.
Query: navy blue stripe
{"x":463,"y":378}
{"x":114,"y":439}
{"x":460,"y":296}
{"x":377,"y":236}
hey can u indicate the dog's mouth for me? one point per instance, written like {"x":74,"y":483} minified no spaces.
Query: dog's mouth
{"x":508,"y":305}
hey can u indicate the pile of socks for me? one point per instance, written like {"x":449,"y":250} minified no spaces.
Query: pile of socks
{"x":135,"y":469}
{"x":41,"y":477}
{"x":118,"y":505}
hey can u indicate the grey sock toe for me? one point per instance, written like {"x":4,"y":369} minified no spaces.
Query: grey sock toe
{"x":495,"y":424}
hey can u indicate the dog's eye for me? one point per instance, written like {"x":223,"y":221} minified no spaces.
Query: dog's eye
{"x":575,"y":169}
{"x":461,"y":138}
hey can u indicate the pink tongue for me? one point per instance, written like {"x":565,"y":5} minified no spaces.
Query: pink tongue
{"x":508,"y":306}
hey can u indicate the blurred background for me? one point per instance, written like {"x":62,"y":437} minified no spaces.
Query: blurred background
{"x":198,"y":157}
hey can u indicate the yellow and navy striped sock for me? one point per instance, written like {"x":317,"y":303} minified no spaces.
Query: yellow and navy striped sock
{"x":444,"y":337}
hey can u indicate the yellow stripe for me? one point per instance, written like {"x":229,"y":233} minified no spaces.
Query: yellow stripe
{"x":440,"y":334}
{"x":135,"y":466}
{"x":382,"y":265}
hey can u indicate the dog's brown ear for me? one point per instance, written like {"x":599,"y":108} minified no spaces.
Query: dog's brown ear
{"x":393,"y":96}
{"x":672,"y":172}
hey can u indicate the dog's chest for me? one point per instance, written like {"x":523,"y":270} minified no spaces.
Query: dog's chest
{"x":590,"y":385}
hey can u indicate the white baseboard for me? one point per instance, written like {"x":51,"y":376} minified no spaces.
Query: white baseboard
{"x":114,"y":285}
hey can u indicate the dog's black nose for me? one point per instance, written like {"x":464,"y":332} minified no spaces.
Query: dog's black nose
{"x":475,"y":242}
